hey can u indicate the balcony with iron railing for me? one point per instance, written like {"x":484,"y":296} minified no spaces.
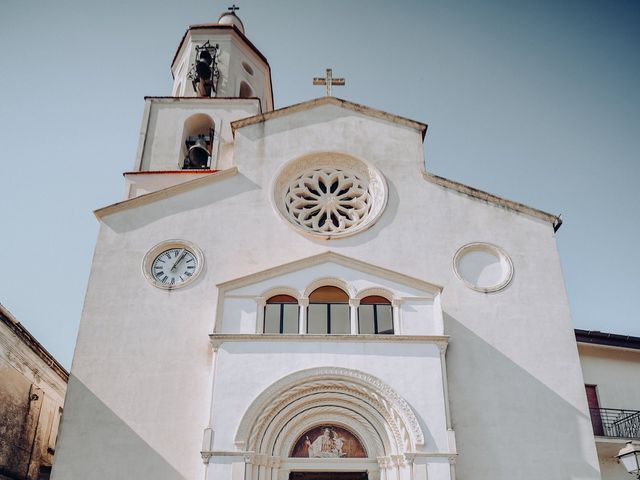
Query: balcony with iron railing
{"x":615,"y":423}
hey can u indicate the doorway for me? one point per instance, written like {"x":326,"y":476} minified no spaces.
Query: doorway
{"x":328,"y":476}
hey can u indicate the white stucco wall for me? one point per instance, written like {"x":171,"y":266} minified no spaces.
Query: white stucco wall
{"x":141,"y":387}
{"x":163,"y":130}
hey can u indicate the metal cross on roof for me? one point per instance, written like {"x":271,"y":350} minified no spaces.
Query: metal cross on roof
{"x":233,"y":8}
{"x":328,"y":81}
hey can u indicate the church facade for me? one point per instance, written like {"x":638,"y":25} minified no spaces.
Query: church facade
{"x":287,"y":294}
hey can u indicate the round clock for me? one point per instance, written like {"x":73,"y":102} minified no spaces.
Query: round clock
{"x":172,"y":264}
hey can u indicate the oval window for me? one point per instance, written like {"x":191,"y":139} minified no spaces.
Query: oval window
{"x":483,"y":267}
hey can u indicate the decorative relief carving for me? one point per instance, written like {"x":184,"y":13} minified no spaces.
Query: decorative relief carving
{"x":330,"y":194}
{"x":328,"y":200}
{"x":398,"y":415}
{"x":328,"y":441}
{"x":363,"y":426}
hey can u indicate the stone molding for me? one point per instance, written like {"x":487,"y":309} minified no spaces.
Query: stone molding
{"x":164,"y":193}
{"x":300,"y":107}
{"x":554,"y":220}
{"x":389,"y":404}
{"x":217,"y":339}
{"x":332,"y":257}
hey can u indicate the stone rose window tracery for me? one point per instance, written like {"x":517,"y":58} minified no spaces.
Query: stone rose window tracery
{"x":330,"y":194}
{"x":328,"y":200}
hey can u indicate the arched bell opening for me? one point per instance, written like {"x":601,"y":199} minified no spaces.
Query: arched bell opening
{"x":245,"y":90}
{"x":197,"y":142}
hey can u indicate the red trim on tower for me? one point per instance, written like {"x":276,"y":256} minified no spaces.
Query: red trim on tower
{"x":170,"y":172}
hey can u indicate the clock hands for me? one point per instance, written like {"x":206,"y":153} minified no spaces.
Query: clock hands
{"x":180,"y":257}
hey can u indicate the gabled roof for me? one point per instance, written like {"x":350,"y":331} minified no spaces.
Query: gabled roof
{"x":333,"y":257}
{"x":300,"y":107}
{"x":555,"y":220}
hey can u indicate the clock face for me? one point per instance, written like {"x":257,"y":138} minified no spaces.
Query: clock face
{"x":173,"y":264}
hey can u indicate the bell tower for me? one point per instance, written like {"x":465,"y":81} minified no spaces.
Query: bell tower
{"x":219,"y":77}
{"x":218,"y":60}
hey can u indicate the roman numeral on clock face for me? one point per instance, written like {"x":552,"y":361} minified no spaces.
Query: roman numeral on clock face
{"x":173,"y":267}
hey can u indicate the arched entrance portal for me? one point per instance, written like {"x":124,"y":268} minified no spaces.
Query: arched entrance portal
{"x":334,"y":422}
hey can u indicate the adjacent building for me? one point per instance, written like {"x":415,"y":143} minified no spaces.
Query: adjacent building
{"x":32,"y":389}
{"x":611,"y":369}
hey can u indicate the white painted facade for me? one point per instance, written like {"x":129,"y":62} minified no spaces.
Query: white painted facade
{"x":183,"y":383}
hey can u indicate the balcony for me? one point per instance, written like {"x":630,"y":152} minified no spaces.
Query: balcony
{"x":615,"y":423}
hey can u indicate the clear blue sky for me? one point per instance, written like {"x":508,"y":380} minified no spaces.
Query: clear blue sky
{"x":534,"y":101}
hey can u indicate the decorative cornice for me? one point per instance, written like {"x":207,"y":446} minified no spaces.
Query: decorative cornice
{"x":217,"y":339}
{"x":164,"y":193}
{"x":555,"y":220}
{"x":325,"y":257}
{"x":300,"y":107}
{"x":201,"y":171}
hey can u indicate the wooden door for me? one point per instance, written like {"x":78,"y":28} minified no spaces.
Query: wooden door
{"x":594,"y":409}
{"x":328,"y":476}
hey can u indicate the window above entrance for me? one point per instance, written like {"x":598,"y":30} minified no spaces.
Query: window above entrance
{"x":329,"y":295}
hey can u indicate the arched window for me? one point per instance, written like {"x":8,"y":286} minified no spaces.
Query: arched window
{"x":281,"y":315}
{"x":245,"y":90}
{"x":197,"y":141}
{"x":375,"y":315}
{"x":328,"y":311}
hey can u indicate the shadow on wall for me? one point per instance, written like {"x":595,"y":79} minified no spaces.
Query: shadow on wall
{"x":102,"y":445}
{"x":199,"y":197}
{"x":508,"y":424}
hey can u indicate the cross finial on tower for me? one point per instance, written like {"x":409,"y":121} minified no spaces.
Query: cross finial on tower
{"x":328,"y":81}
{"x":233,"y":8}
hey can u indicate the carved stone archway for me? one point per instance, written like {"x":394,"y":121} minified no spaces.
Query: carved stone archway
{"x":354,"y":400}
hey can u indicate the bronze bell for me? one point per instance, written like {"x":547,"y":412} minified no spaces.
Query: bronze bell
{"x":198,"y":153}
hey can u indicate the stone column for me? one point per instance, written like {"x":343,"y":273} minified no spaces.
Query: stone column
{"x":410,"y":457}
{"x":397,"y":325}
{"x":353,"y":315}
{"x":261,"y":302}
{"x":302,"y":323}
{"x":384,"y":463}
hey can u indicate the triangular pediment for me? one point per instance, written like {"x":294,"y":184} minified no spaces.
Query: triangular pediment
{"x":374,"y":272}
{"x":322,"y":103}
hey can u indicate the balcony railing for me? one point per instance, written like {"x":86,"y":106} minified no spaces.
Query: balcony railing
{"x":613,"y":422}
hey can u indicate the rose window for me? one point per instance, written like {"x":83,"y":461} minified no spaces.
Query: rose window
{"x":329,"y":194}
{"x":328,"y":200}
